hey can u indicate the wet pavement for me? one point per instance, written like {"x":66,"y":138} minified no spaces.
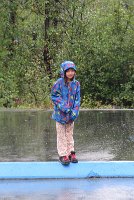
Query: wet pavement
{"x":88,"y":189}
{"x":98,"y":134}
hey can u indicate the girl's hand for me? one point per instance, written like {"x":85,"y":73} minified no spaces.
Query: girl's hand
{"x":70,"y":121}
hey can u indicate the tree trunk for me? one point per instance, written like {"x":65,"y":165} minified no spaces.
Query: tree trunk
{"x":46,"y":54}
{"x":12,"y":21}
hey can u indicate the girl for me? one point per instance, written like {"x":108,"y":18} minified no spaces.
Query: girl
{"x":65,"y":95}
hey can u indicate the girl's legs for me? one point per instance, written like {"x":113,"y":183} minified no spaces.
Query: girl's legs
{"x":65,"y":142}
{"x":70,"y":143}
{"x":61,"y":139}
{"x":69,"y":137}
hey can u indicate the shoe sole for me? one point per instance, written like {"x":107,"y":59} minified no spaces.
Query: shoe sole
{"x":74,"y":161}
{"x":64,"y":163}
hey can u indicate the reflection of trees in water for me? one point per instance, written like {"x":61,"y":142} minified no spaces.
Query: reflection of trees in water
{"x":9,"y":134}
{"x":125,"y":145}
{"x":49,"y":138}
{"x":20,"y":135}
{"x":99,"y":131}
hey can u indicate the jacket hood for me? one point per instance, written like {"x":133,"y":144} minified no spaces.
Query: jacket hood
{"x":65,"y":66}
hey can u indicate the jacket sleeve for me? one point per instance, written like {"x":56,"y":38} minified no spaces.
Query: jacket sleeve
{"x":57,"y":98}
{"x":75,"y":110}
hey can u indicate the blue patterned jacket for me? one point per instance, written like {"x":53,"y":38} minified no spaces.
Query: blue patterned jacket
{"x":66,"y":97}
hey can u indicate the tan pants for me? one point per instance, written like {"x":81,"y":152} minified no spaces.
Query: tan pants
{"x":65,"y":141}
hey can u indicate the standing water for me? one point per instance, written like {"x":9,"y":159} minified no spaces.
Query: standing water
{"x":98,"y":134}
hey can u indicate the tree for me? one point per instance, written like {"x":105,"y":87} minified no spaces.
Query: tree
{"x":38,"y":35}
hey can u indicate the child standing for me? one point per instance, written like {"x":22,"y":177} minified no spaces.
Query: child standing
{"x":65,"y":95}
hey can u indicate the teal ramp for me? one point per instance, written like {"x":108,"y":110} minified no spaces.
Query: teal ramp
{"x":89,"y":169}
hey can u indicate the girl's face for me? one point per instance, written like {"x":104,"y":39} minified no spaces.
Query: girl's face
{"x":70,"y":73}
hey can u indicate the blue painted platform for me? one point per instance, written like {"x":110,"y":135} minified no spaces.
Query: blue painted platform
{"x":51,"y":170}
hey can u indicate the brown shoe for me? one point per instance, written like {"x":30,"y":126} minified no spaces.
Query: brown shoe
{"x":64,"y":160}
{"x":72,"y":157}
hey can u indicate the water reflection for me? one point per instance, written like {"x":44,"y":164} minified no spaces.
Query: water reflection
{"x":99,"y":135}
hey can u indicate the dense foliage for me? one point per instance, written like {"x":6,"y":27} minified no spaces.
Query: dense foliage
{"x":36,"y":36}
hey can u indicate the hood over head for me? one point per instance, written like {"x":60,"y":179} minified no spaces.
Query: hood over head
{"x":65,"y":66}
